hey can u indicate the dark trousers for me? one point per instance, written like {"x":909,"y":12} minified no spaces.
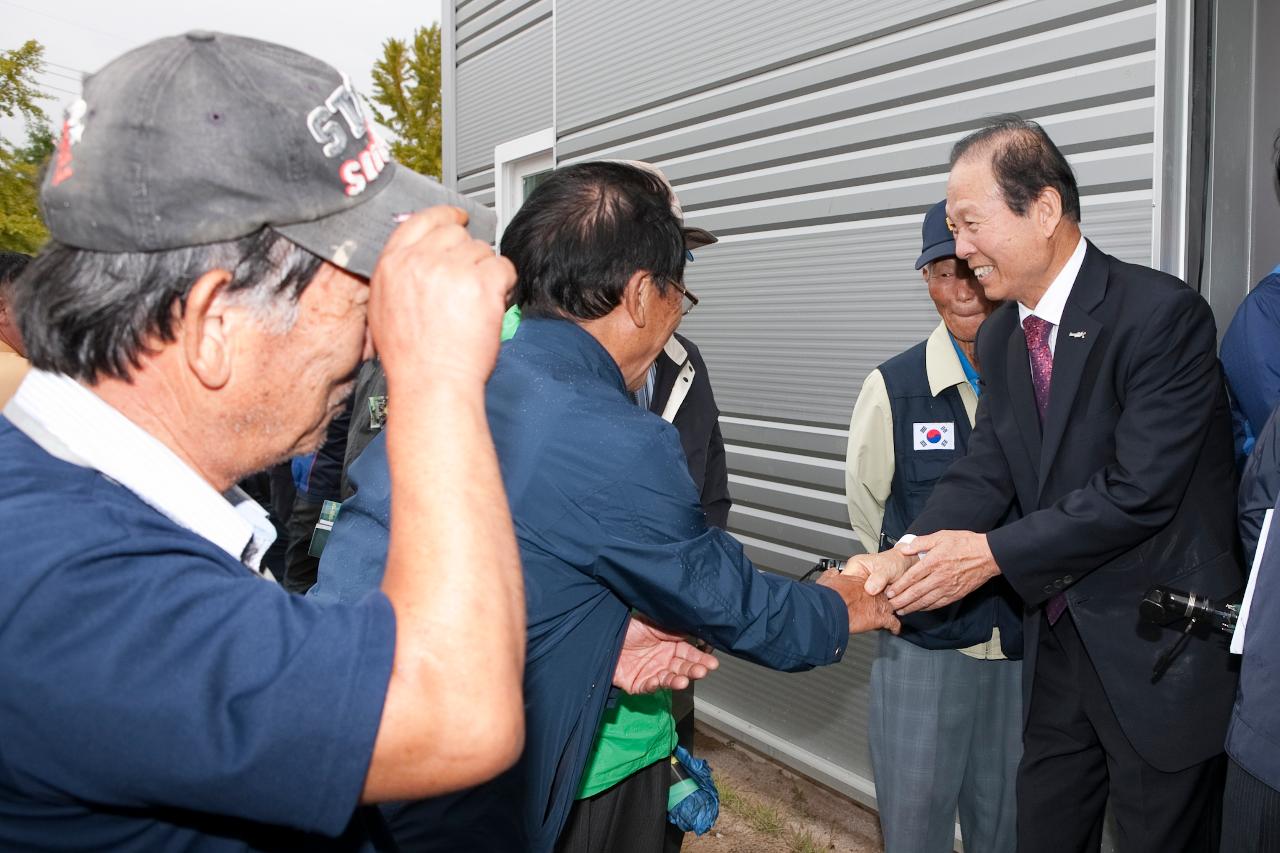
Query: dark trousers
{"x":1250,"y":813}
{"x":630,"y":817}
{"x":300,"y":568}
{"x":1075,"y":755}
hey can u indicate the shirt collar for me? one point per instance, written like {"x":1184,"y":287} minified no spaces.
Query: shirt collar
{"x":1051,"y":305}
{"x":76,"y":425}
{"x":941,"y":363}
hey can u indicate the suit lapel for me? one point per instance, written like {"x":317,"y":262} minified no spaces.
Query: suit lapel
{"x":1022,"y":394}
{"x":1077,"y":335}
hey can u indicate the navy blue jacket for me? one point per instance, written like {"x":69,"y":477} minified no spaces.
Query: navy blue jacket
{"x":968,"y":621}
{"x":1253,"y":738}
{"x":1251,"y":360}
{"x":607,"y":519}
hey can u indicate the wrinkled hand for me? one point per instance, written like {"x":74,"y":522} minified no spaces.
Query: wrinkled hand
{"x":956,"y":563}
{"x":882,"y":569}
{"x":436,"y":299}
{"x":652,"y":659}
{"x":866,"y":612}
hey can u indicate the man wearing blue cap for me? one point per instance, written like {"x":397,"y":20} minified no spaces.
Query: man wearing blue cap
{"x":946,"y":694}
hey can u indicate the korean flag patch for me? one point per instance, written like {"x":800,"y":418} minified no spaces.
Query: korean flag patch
{"x":939,"y":436}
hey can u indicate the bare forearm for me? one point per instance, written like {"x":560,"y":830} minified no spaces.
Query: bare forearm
{"x":453,"y":572}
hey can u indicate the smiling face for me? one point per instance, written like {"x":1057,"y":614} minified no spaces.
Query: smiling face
{"x":1010,"y":255}
{"x":961,"y":303}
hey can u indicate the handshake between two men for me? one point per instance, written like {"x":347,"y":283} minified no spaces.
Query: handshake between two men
{"x":652,"y":658}
{"x":919,"y":573}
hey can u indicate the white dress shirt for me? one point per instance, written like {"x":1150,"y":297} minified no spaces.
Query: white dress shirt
{"x":77,"y":426}
{"x":1050,"y":306}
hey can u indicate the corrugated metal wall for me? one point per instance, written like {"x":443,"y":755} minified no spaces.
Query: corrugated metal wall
{"x":503,"y":77}
{"x":812,"y":137}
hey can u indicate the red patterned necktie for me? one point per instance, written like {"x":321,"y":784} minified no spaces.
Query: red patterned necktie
{"x":1037,"y":331}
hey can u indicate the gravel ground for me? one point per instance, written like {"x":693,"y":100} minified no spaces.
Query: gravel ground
{"x":767,"y":809}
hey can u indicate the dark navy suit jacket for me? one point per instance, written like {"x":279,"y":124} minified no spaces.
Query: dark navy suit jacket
{"x":607,"y":520}
{"x":1129,"y":485}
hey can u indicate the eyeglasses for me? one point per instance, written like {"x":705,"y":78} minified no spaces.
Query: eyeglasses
{"x":689,"y":299}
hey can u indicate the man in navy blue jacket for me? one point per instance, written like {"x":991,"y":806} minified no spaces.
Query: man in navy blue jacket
{"x":606,"y":515}
{"x":1251,"y":803}
{"x":1251,"y":361}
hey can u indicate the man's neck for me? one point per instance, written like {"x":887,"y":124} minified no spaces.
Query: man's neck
{"x":610,"y":333}
{"x":970,"y":350}
{"x":152,"y":404}
{"x":1062,"y":244}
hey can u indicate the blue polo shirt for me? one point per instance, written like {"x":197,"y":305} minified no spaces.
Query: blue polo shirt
{"x":157,"y":695}
{"x":607,"y":519}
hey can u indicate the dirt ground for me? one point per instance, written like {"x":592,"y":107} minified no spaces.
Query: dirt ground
{"x":766,"y":809}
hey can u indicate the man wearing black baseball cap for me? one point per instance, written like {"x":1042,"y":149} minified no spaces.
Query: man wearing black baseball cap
{"x":223,"y":223}
{"x":944,"y":722}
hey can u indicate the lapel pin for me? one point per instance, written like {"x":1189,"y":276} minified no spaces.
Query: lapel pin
{"x":1075,"y":334}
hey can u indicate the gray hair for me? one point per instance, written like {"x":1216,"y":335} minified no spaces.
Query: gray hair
{"x":92,"y":315}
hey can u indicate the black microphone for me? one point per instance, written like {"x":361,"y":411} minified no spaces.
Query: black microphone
{"x":1163,"y":605}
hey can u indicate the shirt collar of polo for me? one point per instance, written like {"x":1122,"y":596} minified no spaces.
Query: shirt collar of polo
{"x":1050,"y":306}
{"x":941,"y":363}
{"x":74,"y":424}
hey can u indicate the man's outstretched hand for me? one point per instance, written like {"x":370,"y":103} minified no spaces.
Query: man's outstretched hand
{"x":652,"y":659}
{"x":866,"y":612}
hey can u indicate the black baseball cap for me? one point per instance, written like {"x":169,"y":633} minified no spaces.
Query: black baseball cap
{"x":937,"y":239}
{"x":207,"y":137}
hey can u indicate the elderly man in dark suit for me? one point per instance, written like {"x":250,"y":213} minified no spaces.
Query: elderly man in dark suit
{"x":1105,"y":420}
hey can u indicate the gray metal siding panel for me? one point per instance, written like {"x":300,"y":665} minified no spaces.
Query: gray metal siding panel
{"x":484,"y":197}
{"x":935,"y":66}
{"x":790,"y":325}
{"x":601,"y":79}
{"x":502,"y":22}
{"x":476,"y":181}
{"x":466,"y":10}
{"x":503,"y":93}
{"x":823,"y":712}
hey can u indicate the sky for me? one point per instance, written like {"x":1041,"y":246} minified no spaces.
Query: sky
{"x":83,"y":35}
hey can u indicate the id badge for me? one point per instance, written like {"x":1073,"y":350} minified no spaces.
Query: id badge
{"x":320,"y":536}
{"x":378,"y":411}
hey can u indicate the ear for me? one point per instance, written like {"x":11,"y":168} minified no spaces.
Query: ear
{"x":924,"y":273}
{"x":1048,"y":211}
{"x":636,"y":296}
{"x":206,"y":327}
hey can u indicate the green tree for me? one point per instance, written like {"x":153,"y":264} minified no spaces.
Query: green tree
{"x":18,"y":89}
{"x":406,"y":85}
{"x":21,"y":229}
